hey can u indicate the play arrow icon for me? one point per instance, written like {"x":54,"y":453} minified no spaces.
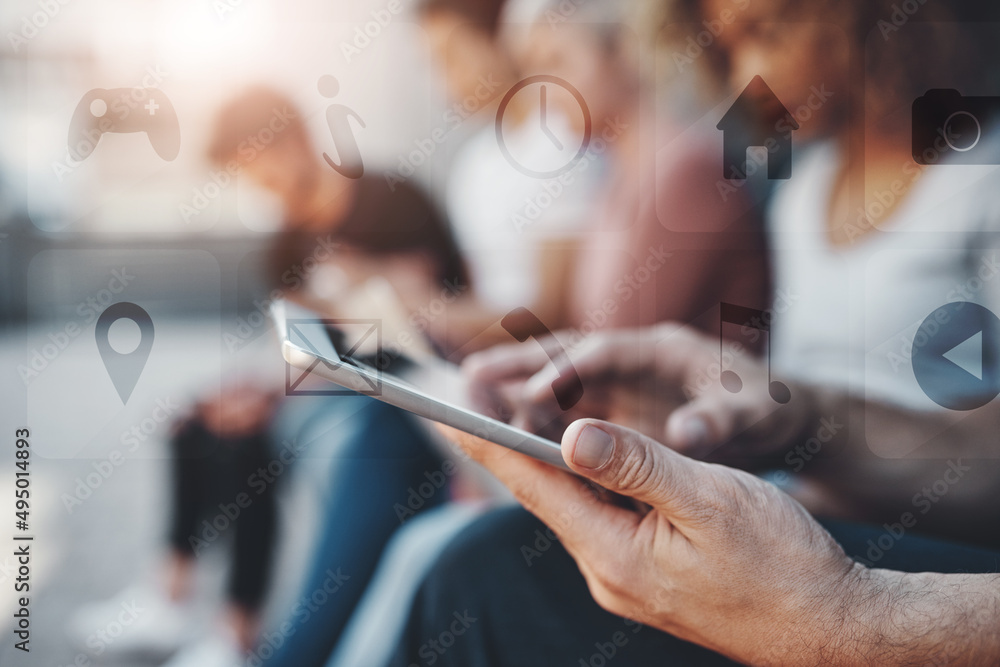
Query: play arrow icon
{"x":968,"y":355}
{"x":956,"y":356}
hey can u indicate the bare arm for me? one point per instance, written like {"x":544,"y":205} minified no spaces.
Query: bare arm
{"x":887,"y":461}
{"x":927,"y":618}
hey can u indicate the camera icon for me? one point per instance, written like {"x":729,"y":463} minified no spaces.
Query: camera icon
{"x":947,"y":126}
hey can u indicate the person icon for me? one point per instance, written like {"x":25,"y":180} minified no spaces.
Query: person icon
{"x":337,"y":117}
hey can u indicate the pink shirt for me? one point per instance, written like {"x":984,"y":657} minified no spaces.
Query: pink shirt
{"x":672,"y":247}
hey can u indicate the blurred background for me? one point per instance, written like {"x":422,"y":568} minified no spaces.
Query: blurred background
{"x":599,"y":201}
{"x":199,"y":54}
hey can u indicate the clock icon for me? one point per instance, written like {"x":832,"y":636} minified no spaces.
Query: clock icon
{"x":539,"y":92}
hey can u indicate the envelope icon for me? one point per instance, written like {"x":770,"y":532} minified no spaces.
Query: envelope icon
{"x":360,"y":338}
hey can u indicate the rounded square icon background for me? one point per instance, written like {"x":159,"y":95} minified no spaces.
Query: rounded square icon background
{"x":103,"y":191}
{"x":813,"y":309}
{"x":527,"y":133}
{"x":364,"y":59}
{"x":903,"y":288}
{"x":73,"y":407}
{"x":689,"y":145}
{"x":709,"y":378}
{"x":563,"y":119}
{"x":124,"y":186}
{"x":946,"y":195}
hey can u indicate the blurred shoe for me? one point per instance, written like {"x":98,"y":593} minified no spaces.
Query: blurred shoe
{"x":217,"y":650}
{"x":139,"y":620}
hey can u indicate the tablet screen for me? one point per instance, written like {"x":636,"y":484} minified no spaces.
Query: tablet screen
{"x":348,"y":353}
{"x":357,"y":343}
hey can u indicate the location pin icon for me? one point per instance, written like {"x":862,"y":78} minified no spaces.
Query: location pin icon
{"x":124,"y":369}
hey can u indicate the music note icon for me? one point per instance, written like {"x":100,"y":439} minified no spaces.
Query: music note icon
{"x":755,"y":319}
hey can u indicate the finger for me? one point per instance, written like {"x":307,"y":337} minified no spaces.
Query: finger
{"x":504,"y":362}
{"x":597,"y":356}
{"x":683,"y":353}
{"x":629,"y":463}
{"x":699,"y":427}
{"x":622,"y":353}
{"x":713,"y":419}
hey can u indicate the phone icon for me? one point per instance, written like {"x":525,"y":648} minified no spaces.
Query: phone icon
{"x":568,"y":387}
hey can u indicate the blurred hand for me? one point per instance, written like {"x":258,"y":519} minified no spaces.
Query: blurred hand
{"x":720,"y":558}
{"x":662,"y":381}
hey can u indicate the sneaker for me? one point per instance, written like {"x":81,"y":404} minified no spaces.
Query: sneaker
{"x":216,"y":650}
{"x":139,"y":620}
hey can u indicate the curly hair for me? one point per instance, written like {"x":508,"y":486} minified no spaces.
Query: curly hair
{"x":955,"y":54}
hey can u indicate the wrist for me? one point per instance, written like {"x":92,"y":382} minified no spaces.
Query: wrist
{"x":836,"y":621}
{"x":852,"y":608}
{"x":866,"y":604}
{"x":812,"y":623}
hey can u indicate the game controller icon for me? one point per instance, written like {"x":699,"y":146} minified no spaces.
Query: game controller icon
{"x":124,"y":110}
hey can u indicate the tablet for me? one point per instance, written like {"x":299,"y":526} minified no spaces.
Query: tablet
{"x":428,"y":387}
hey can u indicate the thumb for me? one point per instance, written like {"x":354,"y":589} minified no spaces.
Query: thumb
{"x":629,"y":463}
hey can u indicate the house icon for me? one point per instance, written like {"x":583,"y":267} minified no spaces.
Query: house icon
{"x":757,"y":118}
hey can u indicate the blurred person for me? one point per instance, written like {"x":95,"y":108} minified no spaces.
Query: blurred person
{"x":610,"y":253}
{"x":376,"y":228}
{"x":840,"y":246}
{"x":337,"y":233}
{"x":822,"y":260}
{"x":216,"y":449}
{"x":663,"y":245}
{"x":591,"y":247}
{"x":516,"y":259}
{"x":607,"y":253}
